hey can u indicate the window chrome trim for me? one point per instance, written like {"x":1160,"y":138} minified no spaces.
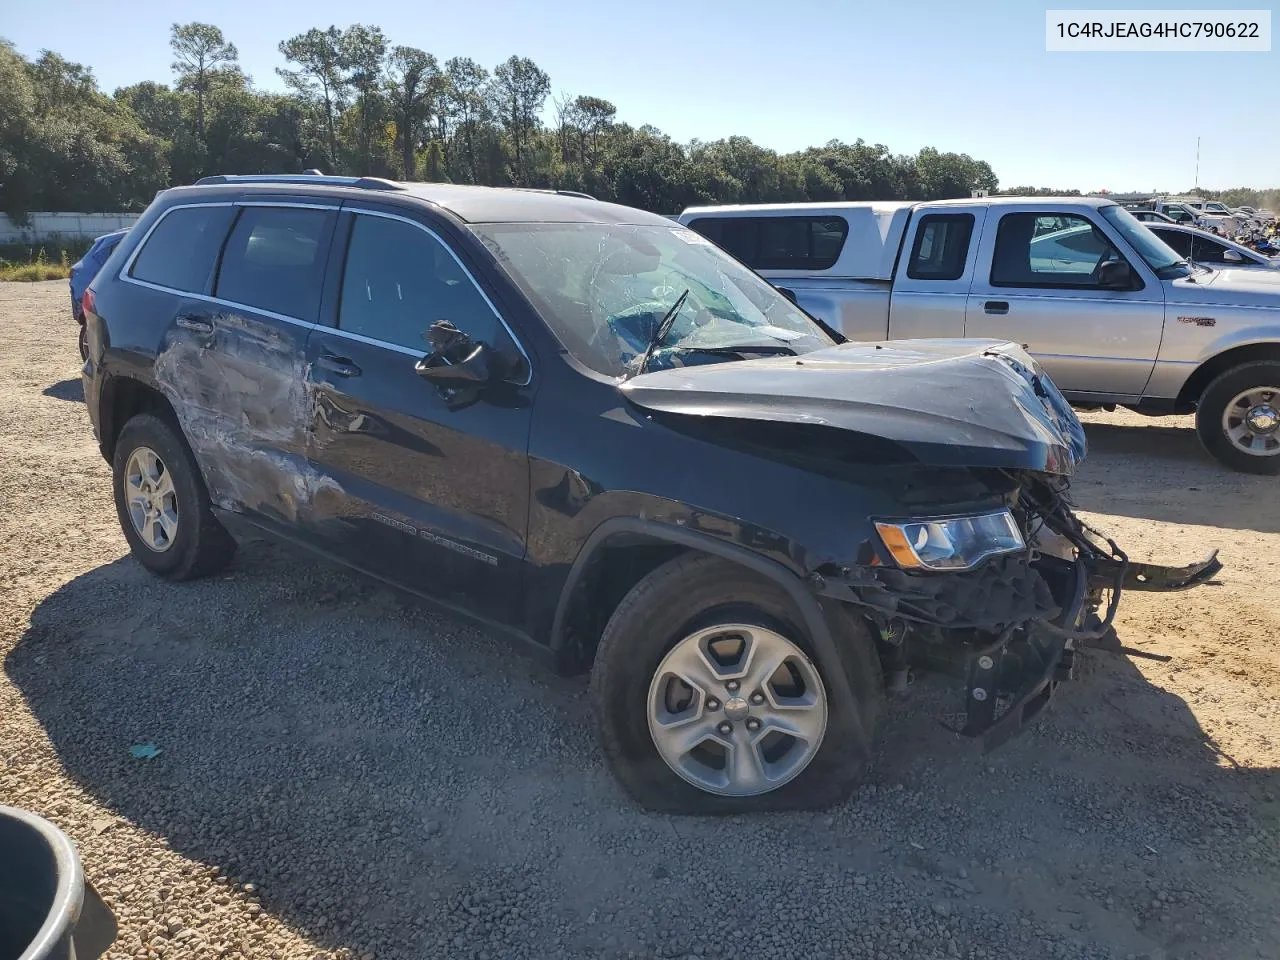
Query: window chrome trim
{"x":364,"y":211}
{"x":124,"y":273}
{"x":124,"y":276}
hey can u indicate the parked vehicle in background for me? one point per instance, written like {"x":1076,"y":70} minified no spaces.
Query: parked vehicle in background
{"x":1204,"y":248}
{"x":1115,"y":316}
{"x":539,"y":410}
{"x":82,"y":273}
{"x":1150,"y":216}
{"x":1175,"y":211}
{"x":1215,"y":215}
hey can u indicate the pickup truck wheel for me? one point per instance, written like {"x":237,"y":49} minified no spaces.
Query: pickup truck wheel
{"x":707,"y":699}
{"x":1238,"y":417}
{"x":163,"y":505}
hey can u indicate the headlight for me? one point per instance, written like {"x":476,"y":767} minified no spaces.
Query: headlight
{"x":954,"y":543}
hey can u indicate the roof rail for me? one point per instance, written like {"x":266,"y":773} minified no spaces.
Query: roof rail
{"x":365,"y":183}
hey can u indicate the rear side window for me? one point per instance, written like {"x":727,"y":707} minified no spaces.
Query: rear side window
{"x":274,"y":260}
{"x":778,"y":243}
{"x":181,"y":250}
{"x":941,"y":247}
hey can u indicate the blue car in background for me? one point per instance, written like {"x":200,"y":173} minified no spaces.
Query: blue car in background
{"x":82,"y":273}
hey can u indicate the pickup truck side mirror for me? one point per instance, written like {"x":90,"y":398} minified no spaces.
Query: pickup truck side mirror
{"x":1115,"y":275}
{"x":1232,"y":256}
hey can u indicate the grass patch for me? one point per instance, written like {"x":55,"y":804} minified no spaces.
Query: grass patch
{"x":35,"y":271}
{"x":32,"y":264}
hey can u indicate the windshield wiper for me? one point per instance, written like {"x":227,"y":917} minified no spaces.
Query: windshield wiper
{"x":660,"y":332}
{"x":762,"y":349}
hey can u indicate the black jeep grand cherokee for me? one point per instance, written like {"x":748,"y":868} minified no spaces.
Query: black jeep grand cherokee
{"x":589,"y":427}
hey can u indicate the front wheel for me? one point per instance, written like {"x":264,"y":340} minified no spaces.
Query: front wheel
{"x":707,"y":699}
{"x":1238,"y":417}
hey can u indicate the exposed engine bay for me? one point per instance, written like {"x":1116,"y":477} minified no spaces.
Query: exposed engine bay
{"x":1011,"y":626}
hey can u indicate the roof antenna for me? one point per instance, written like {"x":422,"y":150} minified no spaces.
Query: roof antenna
{"x":313,"y":172}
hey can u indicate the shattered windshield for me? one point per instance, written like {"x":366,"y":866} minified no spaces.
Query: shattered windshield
{"x":605,"y":288}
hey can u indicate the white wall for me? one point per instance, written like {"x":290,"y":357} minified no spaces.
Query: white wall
{"x":45,"y":226}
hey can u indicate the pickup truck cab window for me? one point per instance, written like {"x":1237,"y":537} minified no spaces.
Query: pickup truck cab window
{"x":1163,"y":261}
{"x":941,"y":247}
{"x":1053,"y":250}
{"x":778,"y":243}
{"x":399,"y":279}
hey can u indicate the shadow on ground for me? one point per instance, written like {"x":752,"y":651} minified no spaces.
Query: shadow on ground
{"x":387,"y":775}
{"x":72,"y":390}
{"x":1162,"y":473}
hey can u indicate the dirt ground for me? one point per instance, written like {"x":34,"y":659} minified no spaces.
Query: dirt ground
{"x":343,"y":774}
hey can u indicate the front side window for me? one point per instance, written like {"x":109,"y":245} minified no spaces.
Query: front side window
{"x":1164,"y":262}
{"x":1179,"y":242}
{"x":180,"y":252}
{"x":1209,"y":251}
{"x":941,"y":247}
{"x":778,"y":243}
{"x":603,"y":289}
{"x":1050,"y":250}
{"x":399,"y":280}
{"x":274,"y":260}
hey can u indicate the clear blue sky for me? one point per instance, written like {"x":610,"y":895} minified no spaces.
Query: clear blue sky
{"x":969,"y":77}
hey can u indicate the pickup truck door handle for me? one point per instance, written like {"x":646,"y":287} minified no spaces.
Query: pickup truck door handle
{"x":342,"y":366}
{"x":996,"y":306}
{"x":197,"y":324}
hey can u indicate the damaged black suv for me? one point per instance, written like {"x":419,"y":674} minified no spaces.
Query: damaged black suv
{"x":589,"y":427}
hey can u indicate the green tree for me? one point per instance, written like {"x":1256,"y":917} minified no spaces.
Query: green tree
{"x":363,"y":51}
{"x":519,"y":90}
{"x":201,"y":55}
{"x":464,"y":97}
{"x":319,"y":77}
{"x":413,"y":76}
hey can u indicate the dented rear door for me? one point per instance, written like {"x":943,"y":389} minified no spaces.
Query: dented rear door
{"x":232,"y":364}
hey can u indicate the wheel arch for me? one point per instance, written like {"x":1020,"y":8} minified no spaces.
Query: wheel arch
{"x":123,"y":398}
{"x":660,"y":542}
{"x":1219,"y":364}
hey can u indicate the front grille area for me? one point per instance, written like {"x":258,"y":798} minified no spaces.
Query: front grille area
{"x":1002,"y":592}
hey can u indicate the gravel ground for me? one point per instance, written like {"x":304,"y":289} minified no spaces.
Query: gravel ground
{"x":342,"y":774}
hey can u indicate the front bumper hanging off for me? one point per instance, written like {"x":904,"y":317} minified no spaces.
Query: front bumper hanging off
{"x":1034,"y":663}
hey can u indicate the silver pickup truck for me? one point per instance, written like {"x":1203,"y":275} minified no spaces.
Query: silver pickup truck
{"x":1115,"y":316}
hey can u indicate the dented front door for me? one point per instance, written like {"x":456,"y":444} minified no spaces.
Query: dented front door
{"x":431,"y":494}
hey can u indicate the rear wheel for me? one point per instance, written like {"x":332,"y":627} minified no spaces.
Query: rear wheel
{"x":83,"y":342}
{"x":163,"y":505}
{"x":1238,"y":417}
{"x":707,"y":698}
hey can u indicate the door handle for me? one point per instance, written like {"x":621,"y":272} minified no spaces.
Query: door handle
{"x":193,"y":323}
{"x":342,"y":366}
{"x":996,"y":306}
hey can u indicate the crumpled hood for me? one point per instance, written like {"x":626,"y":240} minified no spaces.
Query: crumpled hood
{"x":978,"y":403}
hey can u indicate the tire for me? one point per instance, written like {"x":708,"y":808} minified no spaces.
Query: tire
{"x":83,"y":342}
{"x":1213,"y":405}
{"x":199,"y":544}
{"x":692,"y":593}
